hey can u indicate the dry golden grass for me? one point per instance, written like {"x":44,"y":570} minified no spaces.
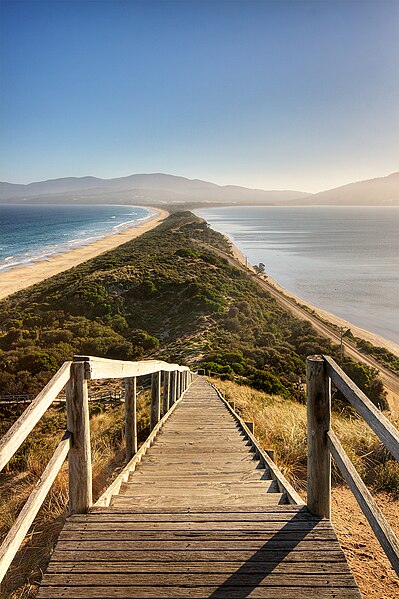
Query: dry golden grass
{"x":280,"y":424}
{"x":108,"y":454}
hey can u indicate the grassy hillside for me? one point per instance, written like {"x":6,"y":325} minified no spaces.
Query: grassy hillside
{"x":165,"y":294}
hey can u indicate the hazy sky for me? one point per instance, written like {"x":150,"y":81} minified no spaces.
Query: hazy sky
{"x":273,"y":94}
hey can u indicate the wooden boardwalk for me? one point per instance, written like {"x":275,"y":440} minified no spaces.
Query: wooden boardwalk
{"x":199,"y":517}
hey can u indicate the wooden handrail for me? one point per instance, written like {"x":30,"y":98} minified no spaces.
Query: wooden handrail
{"x":28,"y":513}
{"x":375,"y":517}
{"x":322,"y":442}
{"x":104,"y":368}
{"x":76,"y":441}
{"x":17,"y":434}
{"x":384,"y":429}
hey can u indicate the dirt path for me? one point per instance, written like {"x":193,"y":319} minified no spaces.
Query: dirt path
{"x":368,"y":562}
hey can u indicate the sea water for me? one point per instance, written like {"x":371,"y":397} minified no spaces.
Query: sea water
{"x":341,"y":259}
{"x":32,"y":232}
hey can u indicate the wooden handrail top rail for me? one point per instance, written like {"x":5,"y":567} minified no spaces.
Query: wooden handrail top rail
{"x":17,"y":434}
{"x":104,"y":368}
{"x":19,"y":529}
{"x":383,"y":428}
{"x":370,"y":509}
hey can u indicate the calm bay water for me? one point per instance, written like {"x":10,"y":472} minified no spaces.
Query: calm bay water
{"x":33,"y":232}
{"x":344,"y":260}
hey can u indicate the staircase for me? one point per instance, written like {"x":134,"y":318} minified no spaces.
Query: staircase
{"x":203,"y":514}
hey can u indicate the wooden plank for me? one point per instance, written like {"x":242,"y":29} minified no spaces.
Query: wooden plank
{"x":308,"y":543}
{"x":202,"y":474}
{"x":318,"y":402}
{"x":130,"y":417}
{"x":384,"y":533}
{"x":189,"y":502}
{"x":222,"y":567}
{"x":252,"y":525}
{"x":78,"y":424}
{"x":193,"y":579}
{"x":192,"y":556}
{"x":196,"y":536}
{"x":116,"y":516}
{"x":200,"y":491}
{"x":28,"y":513}
{"x":384,"y":429}
{"x":17,"y":434}
{"x":200,"y":592}
{"x":203,"y":509}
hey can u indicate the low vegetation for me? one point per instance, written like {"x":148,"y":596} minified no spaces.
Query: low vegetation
{"x":167,"y":294}
{"x":280,"y":424}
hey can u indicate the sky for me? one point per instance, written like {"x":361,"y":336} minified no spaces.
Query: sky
{"x":278,"y":94}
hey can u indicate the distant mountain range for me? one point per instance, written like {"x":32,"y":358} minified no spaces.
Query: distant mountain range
{"x":383,"y":191}
{"x":140,"y":189}
{"x":158,"y":189}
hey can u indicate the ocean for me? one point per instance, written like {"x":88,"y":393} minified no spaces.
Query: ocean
{"x":342,"y":259}
{"x":32,"y":232}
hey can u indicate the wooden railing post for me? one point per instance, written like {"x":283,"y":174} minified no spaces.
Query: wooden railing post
{"x":78,"y":423}
{"x":173,"y":387}
{"x":166,"y":392}
{"x":251,"y":425}
{"x":130,"y":417}
{"x":319,"y":414}
{"x":155,"y":399}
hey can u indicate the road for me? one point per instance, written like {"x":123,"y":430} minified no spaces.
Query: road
{"x":389,"y":379}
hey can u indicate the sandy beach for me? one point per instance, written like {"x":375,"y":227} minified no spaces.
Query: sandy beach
{"x":19,"y":278}
{"x":323,"y":314}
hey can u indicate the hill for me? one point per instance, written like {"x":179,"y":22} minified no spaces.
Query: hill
{"x":166,"y":294}
{"x":382,"y":191}
{"x":151,"y":189}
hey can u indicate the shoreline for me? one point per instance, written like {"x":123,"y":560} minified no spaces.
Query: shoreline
{"x":331,"y":318}
{"x":21,"y":277}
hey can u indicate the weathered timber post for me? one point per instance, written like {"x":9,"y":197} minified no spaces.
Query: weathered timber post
{"x":166,"y":392}
{"x":172,"y":388}
{"x":178,"y":373}
{"x":319,"y":460}
{"x":155,"y":399}
{"x":175,"y":386}
{"x":251,"y":426}
{"x":130,"y":417}
{"x":79,"y":458}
